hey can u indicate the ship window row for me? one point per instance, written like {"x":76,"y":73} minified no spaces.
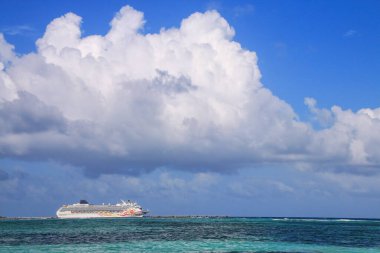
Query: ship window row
{"x":94,"y":211}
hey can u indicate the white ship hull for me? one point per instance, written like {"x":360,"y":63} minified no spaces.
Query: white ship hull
{"x":92,"y":215}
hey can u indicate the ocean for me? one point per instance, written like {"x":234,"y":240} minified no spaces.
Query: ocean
{"x":190,"y":235}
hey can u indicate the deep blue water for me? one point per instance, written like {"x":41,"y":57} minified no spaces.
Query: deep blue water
{"x":190,"y":235}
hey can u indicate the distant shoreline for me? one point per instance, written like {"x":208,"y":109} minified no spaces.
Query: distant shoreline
{"x":156,"y":216}
{"x":199,"y":216}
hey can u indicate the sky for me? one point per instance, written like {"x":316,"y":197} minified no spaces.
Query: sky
{"x":242,"y":108}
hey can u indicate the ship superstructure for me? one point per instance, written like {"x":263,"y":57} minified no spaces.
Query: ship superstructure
{"x":85,"y":210}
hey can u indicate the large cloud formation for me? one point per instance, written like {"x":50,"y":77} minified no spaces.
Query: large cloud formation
{"x":187,"y":98}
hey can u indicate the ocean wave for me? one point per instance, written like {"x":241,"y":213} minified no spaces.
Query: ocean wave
{"x":324,"y":220}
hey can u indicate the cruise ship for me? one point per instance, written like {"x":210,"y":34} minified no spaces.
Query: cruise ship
{"x":84,"y":210}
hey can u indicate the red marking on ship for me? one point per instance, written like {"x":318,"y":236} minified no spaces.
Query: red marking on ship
{"x":128,"y":212}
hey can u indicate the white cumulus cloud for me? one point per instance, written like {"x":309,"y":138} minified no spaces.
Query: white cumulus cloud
{"x":187,"y":97}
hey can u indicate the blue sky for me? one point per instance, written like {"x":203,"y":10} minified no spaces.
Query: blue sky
{"x":315,"y":159}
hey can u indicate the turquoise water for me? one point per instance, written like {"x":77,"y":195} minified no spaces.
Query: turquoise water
{"x":190,"y":235}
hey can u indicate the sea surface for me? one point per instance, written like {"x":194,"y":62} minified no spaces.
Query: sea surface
{"x":190,"y":235}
